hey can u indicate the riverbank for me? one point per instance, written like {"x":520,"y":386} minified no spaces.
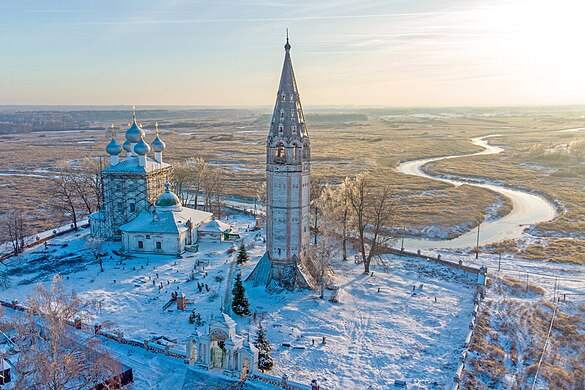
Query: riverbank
{"x":527,"y":209}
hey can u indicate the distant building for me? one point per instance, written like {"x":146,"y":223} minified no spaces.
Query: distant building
{"x":131,"y":183}
{"x":288,"y":165}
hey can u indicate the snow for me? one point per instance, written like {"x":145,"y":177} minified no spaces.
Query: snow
{"x":372,"y":338}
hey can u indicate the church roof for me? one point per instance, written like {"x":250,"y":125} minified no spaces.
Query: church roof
{"x":168,"y":199}
{"x":134,"y":133}
{"x":130,"y":164}
{"x":288,"y":120}
{"x":165,"y":222}
{"x":113,"y":148}
{"x":214,"y":226}
{"x":157,"y":144}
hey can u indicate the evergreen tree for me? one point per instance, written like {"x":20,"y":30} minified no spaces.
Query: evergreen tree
{"x":242,"y":254}
{"x":240,"y":305}
{"x":265,"y":362}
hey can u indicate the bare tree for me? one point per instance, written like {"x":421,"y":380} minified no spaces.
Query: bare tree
{"x":95,"y":246}
{"x":65,"y":193}
{"x":321,"y":255}
{"x":373,"y":210}
{"x":218,"y":191}
{"x":14,"y":230}
{"x":214,"y":190}
{"x":336,"y":212}
{"x":187,"y":180}
{"x":52,"y":355}
{"x":316,"y":189}
{"x":90,"y":175}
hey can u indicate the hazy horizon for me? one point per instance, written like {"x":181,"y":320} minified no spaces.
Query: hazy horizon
{"x":383,"y":54}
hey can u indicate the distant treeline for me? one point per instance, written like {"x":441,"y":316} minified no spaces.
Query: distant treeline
{"x":12,"y":122}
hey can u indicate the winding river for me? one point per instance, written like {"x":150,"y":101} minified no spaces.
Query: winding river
{"x":527,"y":209}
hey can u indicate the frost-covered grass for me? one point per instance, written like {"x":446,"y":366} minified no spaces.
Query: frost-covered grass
{"x":510,"y":335}
{"x":339,"y":148}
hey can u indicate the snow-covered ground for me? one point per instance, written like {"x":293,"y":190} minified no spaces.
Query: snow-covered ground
{"x":372,"y":338}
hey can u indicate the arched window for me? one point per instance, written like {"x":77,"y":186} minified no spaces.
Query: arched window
{"x":295,"y":152}
{"x":280,"y":153}
{"x":280,"y":129}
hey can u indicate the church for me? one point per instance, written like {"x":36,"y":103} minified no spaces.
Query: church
{"x":139,"y":209}
{"x":288,"y":167}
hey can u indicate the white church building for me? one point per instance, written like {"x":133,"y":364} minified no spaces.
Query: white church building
{"x":139,"y":208}
{"x":169,"y":228}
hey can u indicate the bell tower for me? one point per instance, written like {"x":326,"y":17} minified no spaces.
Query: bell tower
{"x":288,"y":156}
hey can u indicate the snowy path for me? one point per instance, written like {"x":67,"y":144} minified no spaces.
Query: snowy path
{"x":229,"y":285}
{"x":527,"y":209}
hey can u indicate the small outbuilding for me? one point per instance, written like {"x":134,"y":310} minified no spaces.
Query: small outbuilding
{"x":215,"y":230}
{"x":220,"y":347}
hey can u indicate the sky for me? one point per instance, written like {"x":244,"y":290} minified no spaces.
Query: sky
{"x":397,"y":53}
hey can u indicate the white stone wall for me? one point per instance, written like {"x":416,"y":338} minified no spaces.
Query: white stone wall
{"x":171,"y":244}
{"x":287,"y":211}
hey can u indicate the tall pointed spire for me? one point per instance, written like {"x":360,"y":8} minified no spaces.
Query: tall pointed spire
{"x":288,"y":120}
{"x":287,"y":45}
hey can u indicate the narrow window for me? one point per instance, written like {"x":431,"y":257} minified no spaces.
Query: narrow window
{"x":132,"y":207}
{"x":140,"y":244}
{"x":158,"y":245}
{"x":280,"y":152}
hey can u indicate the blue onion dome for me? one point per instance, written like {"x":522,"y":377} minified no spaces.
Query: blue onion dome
{"x":133,"y":134}
{"x":113,"y":148}
{"x":127,"y":145}
{"x":168,"y":199}
{"x":158,"y":145}
{"x":141,"y":148}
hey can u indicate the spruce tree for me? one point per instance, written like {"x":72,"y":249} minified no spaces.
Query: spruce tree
{"x":242,"y":254}
{"x":240,"y":305}
{"x":265,"y":362}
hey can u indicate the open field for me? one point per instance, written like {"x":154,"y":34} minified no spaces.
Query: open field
{"x":343,"y":143}
{"x":510,"y":336}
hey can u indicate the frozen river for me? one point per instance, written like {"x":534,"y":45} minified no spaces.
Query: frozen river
{"x":527,"y":209}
